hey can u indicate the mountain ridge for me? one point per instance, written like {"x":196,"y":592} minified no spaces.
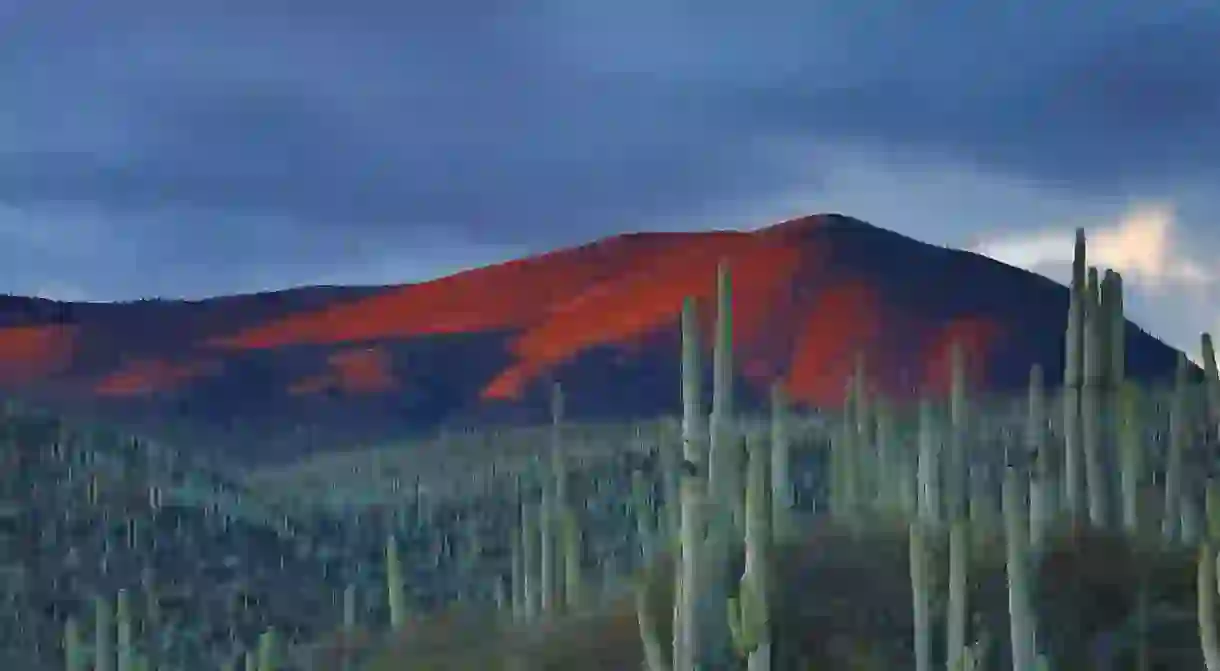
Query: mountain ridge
{"x":484,"y":344}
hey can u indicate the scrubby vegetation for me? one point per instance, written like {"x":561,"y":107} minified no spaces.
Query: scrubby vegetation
{"x":1072,"y":528}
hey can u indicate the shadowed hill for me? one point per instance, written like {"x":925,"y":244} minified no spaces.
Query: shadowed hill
{"x":483,"y":345}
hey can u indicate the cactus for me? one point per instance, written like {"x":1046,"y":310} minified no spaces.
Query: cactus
{"x":393,"y":579}
{"x":782,"y":500}
{"x":958,"y":607}
{"x":103,"y":641}
{"x":1091,"y":400}
{"x":724,"y":492}
{"x":1073,"y":383}
{"x":643,"y":516}
{"x":723,"y":481}
{"x":547,"y":551}
{"x":862,"y":467}
{"x":1042,"y":485}
{"x":688,"y":635}
{"x":548,"y":519}
{"x":654,"y":652}
{"x":956,"y":468}
{"x":1171,"y":523}
{"x":889,"y":469}
{"x":268,"y":651}
{"x":531,"y":562}
{"x":1206,"y":584}
{"x":921,"y":596}
{"x":571,"y":545}
{"x":1131,"y":456}
{"x":847,"y":459}
{"x":74,"y":654}
{"x":349,"y":608}
{"x":350,"y":622}
{"x":126,"y":653}
{"x":670,"y":460}
{"x":692,"y":487}
{"x":1020,"y":610}
{"x":751,"y":619}
{"x":517,"y":575}
{"x":1211,"y":381}
{"x":929,"y":467}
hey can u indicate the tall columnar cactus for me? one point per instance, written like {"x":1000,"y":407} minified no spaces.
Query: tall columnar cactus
{"x":749,"y":615}
{"x":845,"y":460}
{"x":921,"y":595}
{"x":1043,"y":484}
{"x":74,"y":653}
{"x":350,"y":619}
{"x":531,"y":562}
{"x":688,"y":620}
{"x":1206,"y":584}
{"x":642,"y":510}
{"x":863,"y":425}
{"x":1117,"y":331}
{"x":654,"y":651}
{"x":670,"y":461}
{"x":1132,"y":469}
{"x":554,"y":498}
{"x":547,"y":575}
{"x":958,"y":474}
{"x":394,"y":584}
{"x":269,"y":651}
{"x":126,"y":651}
{"x":956,"y":463}
{"x":928,"y":469}
{"x":1211,"y":382}
{"x":692,"y":487}
{"x":1171,"y":523}
{"x":559,"y":469}
{"x":890,"y":478}
{"x":782,"y":495}
{"x":571,"y":543}
{"x":724,"y":483}
{"x":1073,"y":382}
{"x":725,"y":499}
{"x":694,"y":447}
{"x":349,"y":626}
{"x":1091,"y":406}
{"x":1016,"y":541}
{"x":958,"y":606}
{"x":103,"y":635}
{"x":517,"y":574}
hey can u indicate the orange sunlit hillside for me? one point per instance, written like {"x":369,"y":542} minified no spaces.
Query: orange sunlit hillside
{"x":360,"y":370}
{"x":28,"y":353}
{"x":142,"y":377}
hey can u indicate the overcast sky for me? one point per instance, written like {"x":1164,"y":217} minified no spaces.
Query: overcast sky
{"x":191,"y":148}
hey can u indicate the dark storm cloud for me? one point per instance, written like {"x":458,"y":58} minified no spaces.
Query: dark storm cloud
{"x":394,"y":119}
{"x":212,"y":135}
{"x":1125,"y":97}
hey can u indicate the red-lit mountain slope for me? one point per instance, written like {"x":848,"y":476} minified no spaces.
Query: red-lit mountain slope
{"x":294,"y":370}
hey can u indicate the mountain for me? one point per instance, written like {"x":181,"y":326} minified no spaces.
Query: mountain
{"x":272,"y":376}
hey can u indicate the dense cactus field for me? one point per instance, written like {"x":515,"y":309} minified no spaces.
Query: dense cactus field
{"x":1071,"y":528}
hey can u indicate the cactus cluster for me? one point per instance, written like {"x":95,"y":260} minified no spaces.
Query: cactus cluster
{"x":1092,"y":468}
